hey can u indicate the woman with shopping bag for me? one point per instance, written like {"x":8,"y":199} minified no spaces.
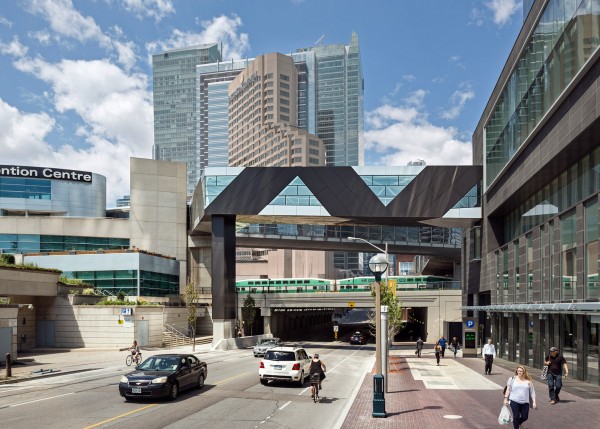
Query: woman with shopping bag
{"x":519,"y":393}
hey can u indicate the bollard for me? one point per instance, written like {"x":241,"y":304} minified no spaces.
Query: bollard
{"x":8,"y":368}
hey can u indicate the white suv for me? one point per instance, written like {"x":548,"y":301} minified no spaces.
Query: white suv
{"x":290,"y":364}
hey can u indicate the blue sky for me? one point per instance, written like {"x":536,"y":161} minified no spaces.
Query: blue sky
{"x":76,"y":76}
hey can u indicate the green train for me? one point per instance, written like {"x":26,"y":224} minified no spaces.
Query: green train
{"x":403,"y":283}
{"x":299,"y":285}
{"x":353,"y":284}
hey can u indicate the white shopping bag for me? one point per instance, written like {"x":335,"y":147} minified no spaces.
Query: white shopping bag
{"x":505,"y":416}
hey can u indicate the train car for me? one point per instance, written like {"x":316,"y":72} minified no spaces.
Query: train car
{"x":403,"y":283}
{"x":285,"y":285}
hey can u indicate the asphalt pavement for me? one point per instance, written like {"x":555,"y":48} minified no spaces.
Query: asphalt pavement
{"x":420,"y":394}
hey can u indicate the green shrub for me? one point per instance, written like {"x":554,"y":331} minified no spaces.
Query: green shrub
{"x":89,"y":291}
{"x":7,"y":258}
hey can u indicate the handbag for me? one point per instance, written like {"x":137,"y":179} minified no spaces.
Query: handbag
{"x":505,"y":416}
{"x":544,"y":375}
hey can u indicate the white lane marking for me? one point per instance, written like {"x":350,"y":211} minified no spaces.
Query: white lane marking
{"x":39,"y":400}
{"x":332,"y":369}
{"x":285,"y":405}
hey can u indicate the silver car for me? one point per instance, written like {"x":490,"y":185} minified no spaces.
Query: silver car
{"x":261,"y":349}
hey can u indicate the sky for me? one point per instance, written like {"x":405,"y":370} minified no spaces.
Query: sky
{"x":76,"y":75}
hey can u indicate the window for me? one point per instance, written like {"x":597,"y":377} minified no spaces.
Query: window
{"x":284,"y":77}
{"x":283,"y":85}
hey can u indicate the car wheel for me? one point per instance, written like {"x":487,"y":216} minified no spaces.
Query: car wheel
{"x":201,"y":381}
{"x":263,"y":382}
{"x":301,"y":381}
{"x":173,"y":392}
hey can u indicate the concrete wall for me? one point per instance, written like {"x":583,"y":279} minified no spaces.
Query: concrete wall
{"x":158,"y":214}
{"x":8,"y":313}
{"x":28,"y":282}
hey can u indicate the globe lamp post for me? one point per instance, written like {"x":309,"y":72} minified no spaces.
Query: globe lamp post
{"x":378,"y":265}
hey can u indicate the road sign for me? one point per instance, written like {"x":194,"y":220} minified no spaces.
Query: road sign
{"x":470,"y":324}
{"x":392,"y":284}
{"x":335,"y":328}
{"x":531,"y":323}
{"x":351,"y":304}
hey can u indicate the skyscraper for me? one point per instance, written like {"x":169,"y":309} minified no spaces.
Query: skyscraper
{"x":339,"y":102}
{"x":263,"y":112}
{"x":175,"y":108}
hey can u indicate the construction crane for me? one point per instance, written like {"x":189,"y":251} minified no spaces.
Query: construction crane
{"x":320,"y":41}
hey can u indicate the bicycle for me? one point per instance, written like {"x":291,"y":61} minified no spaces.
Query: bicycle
{"x":131,"y":358}
{"x":315,"y":380}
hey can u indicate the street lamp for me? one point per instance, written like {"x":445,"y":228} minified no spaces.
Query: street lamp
{"x":379,"y":319}
{"x":378,"y":265}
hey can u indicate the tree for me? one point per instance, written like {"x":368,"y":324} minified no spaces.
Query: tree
{"x":395,"y":323}
{"x":249,"y":312}
{"x":190,"y":298}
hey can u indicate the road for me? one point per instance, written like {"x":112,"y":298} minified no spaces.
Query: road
{"x":232,"y":397}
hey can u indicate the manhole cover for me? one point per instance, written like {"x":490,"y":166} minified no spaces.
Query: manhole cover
{"x":452,"y":417}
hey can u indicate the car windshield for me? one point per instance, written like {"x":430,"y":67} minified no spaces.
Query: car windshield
{"x":267,"y":343}
{"x":267,"y":340}
{"x":280,"y":356}
{"x":157,"y":363}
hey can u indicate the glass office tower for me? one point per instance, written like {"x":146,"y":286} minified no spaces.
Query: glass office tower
{"x":339,"y":101}
{"x":175,"y":114}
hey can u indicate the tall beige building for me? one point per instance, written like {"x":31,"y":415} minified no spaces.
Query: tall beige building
{"x":263,"y":118}
{"x":263,"y":133}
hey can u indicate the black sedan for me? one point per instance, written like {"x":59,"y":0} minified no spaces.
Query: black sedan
{"x":163,"y":375}
{"x":358,"y":338}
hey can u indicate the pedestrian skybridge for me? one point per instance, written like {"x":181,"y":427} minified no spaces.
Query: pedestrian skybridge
{"x":412,"y":209}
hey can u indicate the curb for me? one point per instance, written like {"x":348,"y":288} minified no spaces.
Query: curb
{"x":20,"y":379}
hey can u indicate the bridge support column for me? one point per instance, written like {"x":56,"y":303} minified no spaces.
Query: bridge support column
{"x":266,"y":314}
{"x":223,"y":277}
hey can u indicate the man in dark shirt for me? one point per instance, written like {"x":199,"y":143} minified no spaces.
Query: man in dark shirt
{"x":555,"y":365}
{"x":419,"y":347}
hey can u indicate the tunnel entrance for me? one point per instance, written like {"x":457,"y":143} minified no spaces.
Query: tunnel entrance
{"x":415,"y":327}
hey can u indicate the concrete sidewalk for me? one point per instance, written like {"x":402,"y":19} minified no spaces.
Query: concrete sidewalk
{"x":457,"y":394}
{"x":40,"y":363}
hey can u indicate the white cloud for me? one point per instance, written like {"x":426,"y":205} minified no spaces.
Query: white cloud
{"x":14,"y":48}
{"x":42,"y":37}
{"x":4,"y":21}
{"x":66,"y":21}
{"x":477,"y":17}
{"x":398,"y":135}
{"x":156,"y":9}
{"x":116,"y":112}
{"x":503,"y":10}
{"x":22,"y":135}
{"x":222,"y":29}
{"x":458,"y":100}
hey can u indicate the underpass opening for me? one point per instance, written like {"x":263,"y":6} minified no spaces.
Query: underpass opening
{"x":415,"y":326}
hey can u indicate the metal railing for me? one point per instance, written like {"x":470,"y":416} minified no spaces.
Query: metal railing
{"x":173,"y":337}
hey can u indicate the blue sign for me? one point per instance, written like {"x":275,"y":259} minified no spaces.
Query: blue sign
{"x":125,"y":311}
{"x":531,"y":323}
{"x":470,"y":324}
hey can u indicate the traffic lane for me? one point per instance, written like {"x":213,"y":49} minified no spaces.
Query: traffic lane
{"x":73,"y":403}
{"x":32,"y":388}
{"x":279,"y":405}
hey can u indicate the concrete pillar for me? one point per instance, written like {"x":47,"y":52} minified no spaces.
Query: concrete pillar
{"x":223,"y":277}
{"x":266,"y":314}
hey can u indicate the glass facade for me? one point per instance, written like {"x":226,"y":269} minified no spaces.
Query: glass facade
{"x":115,"y":281}
{"x":591,"y":250}
{"x":571,"y":185}
{"x":217,"y":154}
{"x":33,"y":243}
{"x":14,"y":187}
{"x":175,"y":107}
{"x":423,"y":235}
{"x":340,"y":102}
{"x":563,"y":40}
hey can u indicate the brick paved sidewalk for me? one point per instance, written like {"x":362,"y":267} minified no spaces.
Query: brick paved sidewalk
{"x":410,"y":404}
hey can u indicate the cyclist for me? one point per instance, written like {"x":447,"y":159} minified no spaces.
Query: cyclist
{"x":317,"y":366}
{"x":135,"y":349}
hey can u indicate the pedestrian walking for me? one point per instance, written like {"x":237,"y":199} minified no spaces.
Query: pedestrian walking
{"x":438,"y":352}
{"x":442,"y":342}
{"x":489,"y":353}
{"x":555,"y":363}
{"x":419,"y":346}
{"x":519,"y":393}
{"x":455,"y":345}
